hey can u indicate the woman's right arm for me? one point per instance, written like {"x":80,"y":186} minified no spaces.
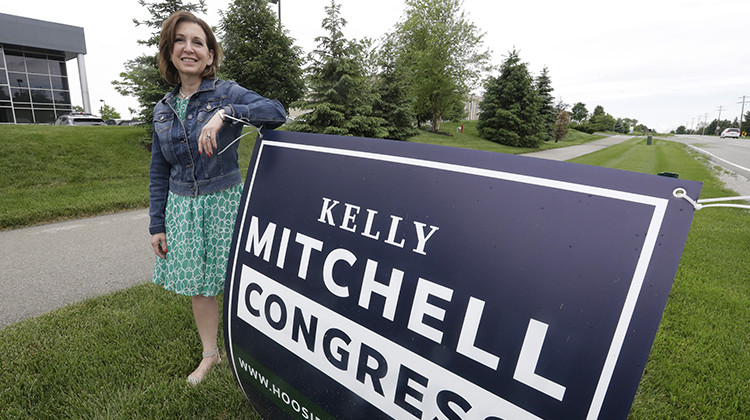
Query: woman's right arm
{"x":158,"y":190}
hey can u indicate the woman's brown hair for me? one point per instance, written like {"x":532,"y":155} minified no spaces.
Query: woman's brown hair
{"x":168,"y":33}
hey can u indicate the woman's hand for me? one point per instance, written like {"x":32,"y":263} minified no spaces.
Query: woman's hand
{"x":207,"y":139}
{"x":159,"y":243}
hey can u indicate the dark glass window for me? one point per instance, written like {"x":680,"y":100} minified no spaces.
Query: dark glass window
{"x":6,"y":115}
{"x":3,"y":78}
{"x":20,"y":95}
{"x":60,"y":83}
{"x":62,"y":97}
{"x":41,"y":96}
{"x":44,"y":116}
{"x":63,"y":110}
{"x":36,"y":64}
{"x":18,"y":79}
{"x":38,"y":81}
{"x":58,"y":68}
{"x":24,"y":116}
{"x":4,"y":93}
{"x":14,"y":62}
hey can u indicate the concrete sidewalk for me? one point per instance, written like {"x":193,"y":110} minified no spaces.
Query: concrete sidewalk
{"x":570,"y":152}
{"x":46,"y":267}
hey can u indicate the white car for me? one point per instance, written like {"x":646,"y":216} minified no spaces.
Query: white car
{"x":731,"y":132}
{"x":79,"y":118}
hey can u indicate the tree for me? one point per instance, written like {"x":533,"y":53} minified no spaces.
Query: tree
{"x":442,"y":52}
{"x":258,"y":55}
{"x":392,"y":102}
{"x":141,"y":78}
{"x":547,"y":109}
{"x":510,"y":108}
{"x":108,"y":113}
{"x":600,"y":120}
{"x":681,"y":130}
{"x":340,"y":101}
{"x":562,"y":122}
{"x":579,"y":113}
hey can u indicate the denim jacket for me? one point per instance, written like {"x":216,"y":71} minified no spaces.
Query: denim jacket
{"x":176,"y":164}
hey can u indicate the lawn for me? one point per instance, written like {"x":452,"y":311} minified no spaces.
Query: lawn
{"x":126,"y":355}
{"x":54,"y":173}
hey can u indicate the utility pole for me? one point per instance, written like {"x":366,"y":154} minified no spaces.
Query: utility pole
{"x":718,"y":121}
{"x":705,"y":123}
{"x":742,"y":112}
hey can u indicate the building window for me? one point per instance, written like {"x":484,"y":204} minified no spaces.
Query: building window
{"x":33,"y":86}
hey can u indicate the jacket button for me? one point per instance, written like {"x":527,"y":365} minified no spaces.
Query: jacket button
{"x":190,"y":117}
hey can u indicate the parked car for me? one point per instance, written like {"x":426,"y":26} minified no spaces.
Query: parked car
{"x":79,"y":118}
{"x":123,"y":122}
{"x":731,"y":132}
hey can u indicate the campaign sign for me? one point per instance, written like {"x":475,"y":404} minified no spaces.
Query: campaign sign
{"x":373,"y":279}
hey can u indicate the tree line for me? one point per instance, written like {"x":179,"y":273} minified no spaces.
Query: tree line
{"x":421,"y":72}
{"x":716,"y":126}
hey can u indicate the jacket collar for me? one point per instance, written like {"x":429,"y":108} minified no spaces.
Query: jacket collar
{"x":206,"y":85}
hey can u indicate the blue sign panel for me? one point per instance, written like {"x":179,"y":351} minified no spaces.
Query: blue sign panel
{"x":377,"y":279}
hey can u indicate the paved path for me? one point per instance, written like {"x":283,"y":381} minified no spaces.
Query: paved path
{"x":567,"y":153}
{"x":46,"y":267}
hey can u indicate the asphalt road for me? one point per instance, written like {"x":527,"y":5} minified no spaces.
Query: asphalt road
{"x":731,"y":154}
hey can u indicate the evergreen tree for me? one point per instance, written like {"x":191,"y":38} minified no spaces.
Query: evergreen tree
{"x":393,"y":103}
{"x":141,"y":78}
{"x":510,"y":108}
{"x":257,"y":54}
{"x":340,"y":100}
{"x":547,"y":105}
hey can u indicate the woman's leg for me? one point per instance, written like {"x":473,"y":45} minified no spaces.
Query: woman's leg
{"x":206,"y":313}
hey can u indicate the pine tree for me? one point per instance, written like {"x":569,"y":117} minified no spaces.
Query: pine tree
{"x":258,"y":54}
{"x":510,"y":108}
{"x":547,"y":103}
{"x":340,"y":101}
{"x":393,"y":103}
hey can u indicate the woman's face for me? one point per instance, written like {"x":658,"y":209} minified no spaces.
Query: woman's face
{"x":190,"y":53}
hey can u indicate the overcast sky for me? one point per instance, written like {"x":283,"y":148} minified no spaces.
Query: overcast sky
{"x":663,"y":62}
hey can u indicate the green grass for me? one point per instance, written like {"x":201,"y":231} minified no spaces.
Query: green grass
{"x":126,"y":355}
{"x":53,"y":173}
{"x":121,"y":356}
{"x":470,"y":139}
{"x":699,"y":366}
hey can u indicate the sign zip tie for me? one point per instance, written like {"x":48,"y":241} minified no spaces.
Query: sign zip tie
{"x":257,"y":130}
{"x":681,"y":193}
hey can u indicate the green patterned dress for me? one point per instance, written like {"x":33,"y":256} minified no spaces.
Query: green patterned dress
{"x":199,"y":233}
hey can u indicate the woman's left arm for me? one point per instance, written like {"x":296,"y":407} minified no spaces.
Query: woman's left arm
{"x":207,"y":139}
{"x":242,"y":104}
{"x":248,"y":106}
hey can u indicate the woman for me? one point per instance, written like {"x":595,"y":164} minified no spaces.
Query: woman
{"x":194,"y":192}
